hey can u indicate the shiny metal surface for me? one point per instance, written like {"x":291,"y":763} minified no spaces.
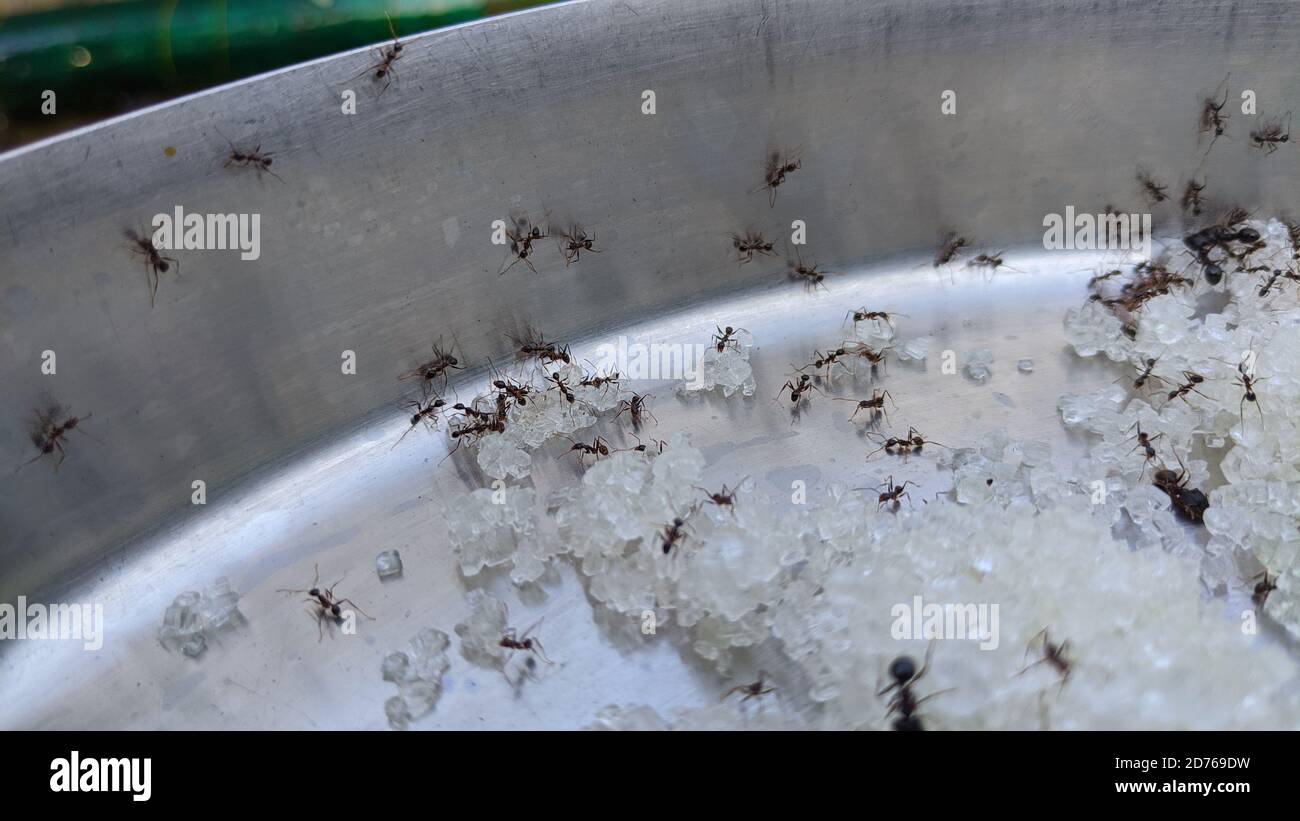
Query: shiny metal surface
{"x":377,"y":241}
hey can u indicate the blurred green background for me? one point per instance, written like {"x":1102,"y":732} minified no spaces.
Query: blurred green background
{"x":107,"y":57}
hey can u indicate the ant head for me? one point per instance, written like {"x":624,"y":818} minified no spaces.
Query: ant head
{"x":164,"y":266}
{"x":315,"y":591}
{"x":677,"y":521}
{"x":902,"y":669}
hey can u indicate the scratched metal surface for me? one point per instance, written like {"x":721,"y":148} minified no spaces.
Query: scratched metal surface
{"x":377,"y":241}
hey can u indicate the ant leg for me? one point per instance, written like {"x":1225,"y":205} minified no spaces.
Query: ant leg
{"x":354,"y":606}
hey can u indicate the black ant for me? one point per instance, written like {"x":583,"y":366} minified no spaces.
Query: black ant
{"x":251,"y":159}
{"x":635,"y":408}
{"x":426,"y":412}
{"x":1262,"y":588}
{"x":876,"y":404}
{"x":1191,"y":199}
{"x":864,"y":351}
{"x":949,"y":247}
{"x":522,"y":237}
{"x":1144,"y":441}
{"x":1151,"y":186}
{"x":797,"y":391}
{"x":1053,"y":654}
{"x":811,"y":276}
{"x":384,"y":69}
{"x":673,"y":534}
{"x":904,"y":702}
{"x":723,"y":498}
{"x":1212,"y":116}
{"x":1191,"y":502}
{"x":751,"y":243}
{"x":893,"y":493}
{"x":562,"y":385}
{"x":573,"y":242}
{"x":600,"y":382}
{"x":598,"y":447}
{"x":516,"y":392}
{"x":511,"y":641}
{"x":154,"y":262}
{"x":779,"y":164}
{"x":753,"y":690}
{"x":327,"y":607}
{"x":827,"y":360}
{"x":914,"y":441}
{"x":1247,"y":383}
{"x":726,"y":338}
{"x":533,"y":345}
{"x":1286,"y":274}
{"x":1144,"y":372}
{"x":1270,"y":134}
{"x":51,"y":429}
{"x":1193,"y":379}
{"x":863,"y":315}
{"x":440,"y":365}
{"x":990,"y":261}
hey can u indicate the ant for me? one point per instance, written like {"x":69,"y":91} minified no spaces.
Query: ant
{"x":779,"y":164}
{"x":563,"y":387}
{"x":1273,"y":277}
{"x":949,"y":247}
{"x":1193,"y":379}
{"x":1191,"y":199}
{"x":1191,"y":502}
{"x":384,"y":69}
{"x":864,"y":351}
{"x":600,"y":382}
{"x":863,"y":315}
{"x":827,"y":361}
{"x":1246,"y":381}
{"x":811,"y":276}
{"x":754,"y":690}
{"x":673,"y":534}
{"x":1262,"y":588}
{"x":1212,"y":116}
{"x":893,"y":493}
{"x":532,"y":344}
{"x":876,"y":404}
{"x":1144,"y":372}
{"x":751,"y":243}
{"x":904,"y":702}
{"x":1144,"y":441}
{"x":598,"y":447}
{"x":515,"y":391}
{"x":1053,"y":654}
{"x":250,"y":159}
{"x":1270,"y":134}
{"x":1103,"y":277}
{"x":723,"y":498}
{"x":635,"y":408}
{"x":426,"y":412}
{"x":154,"y":262}
{"x":991,"y":261}
{"x":511,"y":641}
{"x":914,"y":441}
{"x":1151,"y":186}
{"x":726,"y":338}
{"x":52,"y":426}
{"x":327,"y":607}
{"x":522,"y":237}
{"x":439,"y":366}
{"x":573,"y":242}
{"x":797,"y":391}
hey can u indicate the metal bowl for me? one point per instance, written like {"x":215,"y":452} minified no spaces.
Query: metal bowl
{"x":376,"y":238}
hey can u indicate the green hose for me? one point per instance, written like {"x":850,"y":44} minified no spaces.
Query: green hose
{"x":102,"y":60}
